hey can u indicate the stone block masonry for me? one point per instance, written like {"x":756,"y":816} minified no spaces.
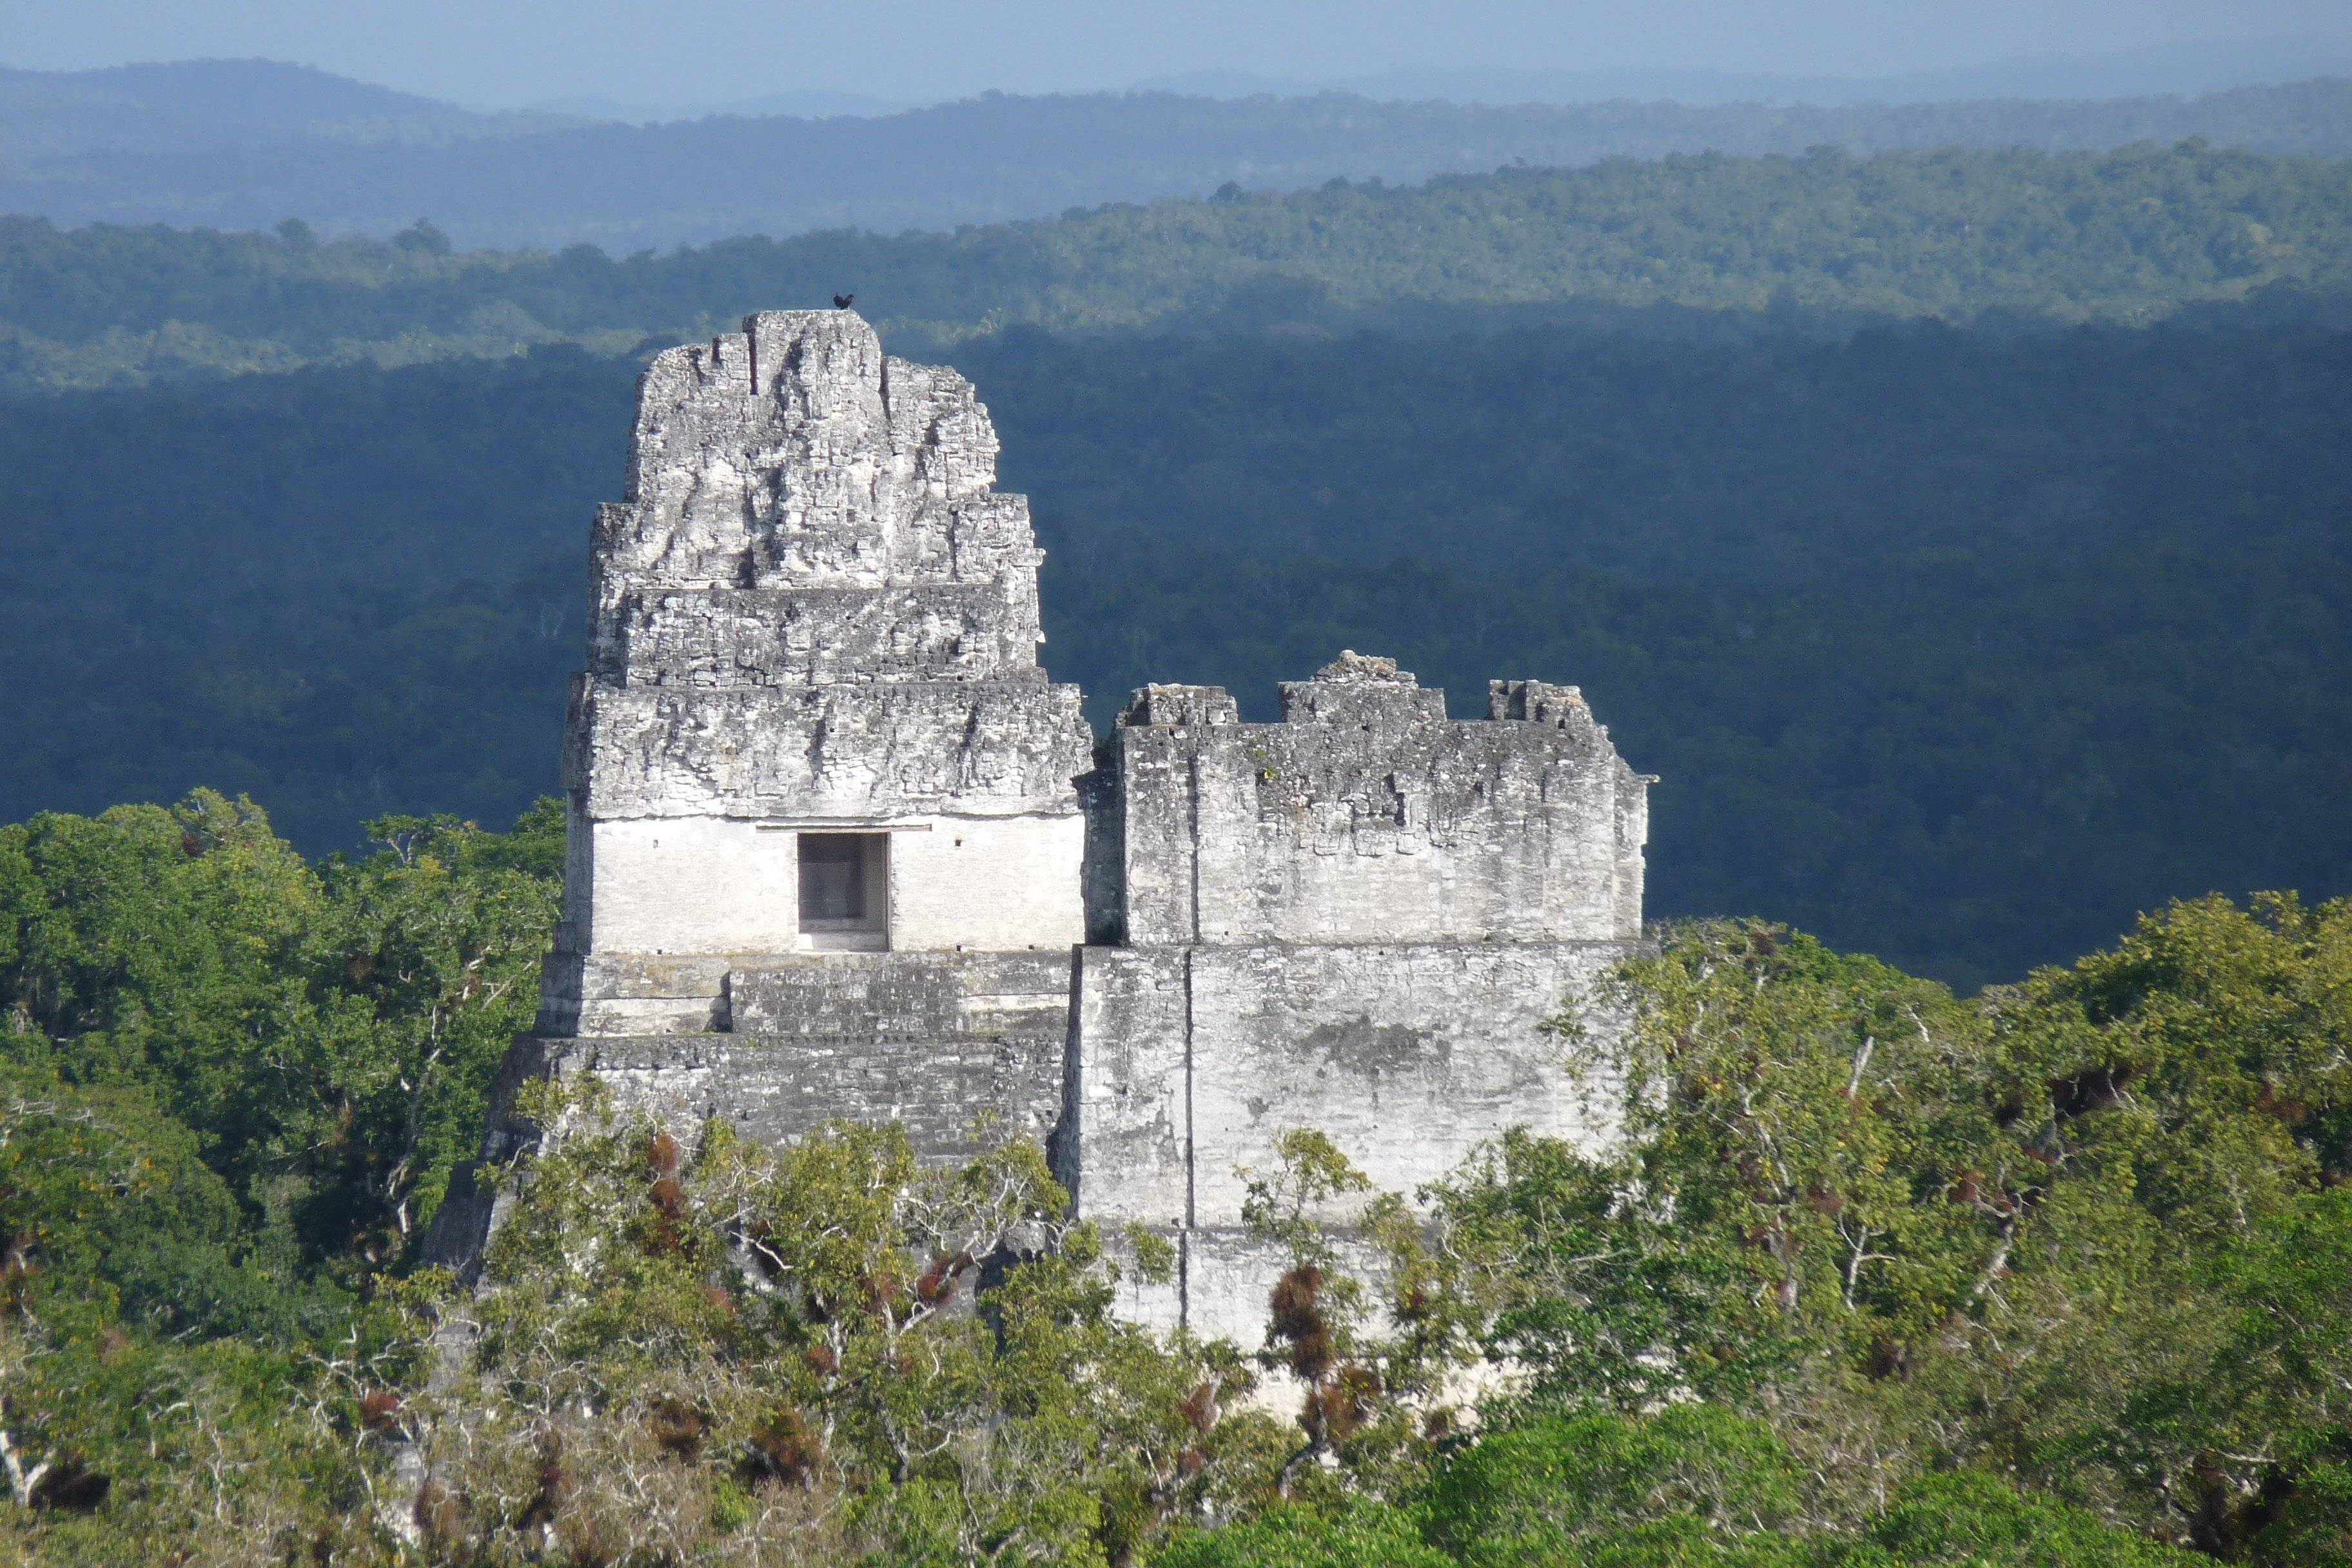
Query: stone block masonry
{"x":1365,"y":816}
{"x":838,"y":848}
{"x":961,"y":1048}
{"x":1358,"y":920}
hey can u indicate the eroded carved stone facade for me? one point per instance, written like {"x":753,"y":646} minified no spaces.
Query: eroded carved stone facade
{"x":839,"y":848}
{"x":814,"y":638}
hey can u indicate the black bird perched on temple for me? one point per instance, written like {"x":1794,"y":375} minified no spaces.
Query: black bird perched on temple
{"x":841,"y":301}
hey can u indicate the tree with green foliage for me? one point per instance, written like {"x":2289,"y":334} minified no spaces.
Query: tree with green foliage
{"x":2040,"y":1232}
{"x":1689,"y":1486}
{"x":327,"y":1034}
{"x":437,"y":938}
{"x":693,"y":1348}
{"x":231,"y":1087}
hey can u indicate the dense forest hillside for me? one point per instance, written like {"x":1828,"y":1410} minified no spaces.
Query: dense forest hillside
{"x":1686,"y":247}
{"x":1884,"y":1279}
{"x":992,"y":159}
{"x":1959,"y":647}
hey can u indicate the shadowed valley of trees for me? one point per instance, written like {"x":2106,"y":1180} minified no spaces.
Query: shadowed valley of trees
{"x":1959,"y":647}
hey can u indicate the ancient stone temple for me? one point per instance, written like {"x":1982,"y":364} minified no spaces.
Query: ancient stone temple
{"x":838,"y":848}
{"x":819,"y":788}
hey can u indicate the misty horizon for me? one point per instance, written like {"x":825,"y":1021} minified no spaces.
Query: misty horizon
{"x":704,"y":56}
{"x":2185,"y":69}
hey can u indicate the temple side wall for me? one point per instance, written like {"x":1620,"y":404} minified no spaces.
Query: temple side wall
{"x":999,"y":882}
{"x":1407,"y":1056}
{"x":1189,"y":1062}
{"x":1632,"y":840}
{"x":693,"y":884}
{"x":1358,"y":920}
{"x":942,"y":1043}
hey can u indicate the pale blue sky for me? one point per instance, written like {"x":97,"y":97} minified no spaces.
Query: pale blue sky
{"x":497,"y":53}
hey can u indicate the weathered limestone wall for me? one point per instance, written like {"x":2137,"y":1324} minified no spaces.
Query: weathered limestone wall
{"x":945,"y":1043}
{"x":1190,"y":1061}
{"x":1366,"y":817}
{"x":982,"y":882}
{"x":1358,"y":920}
{"x":728,"y":885}
{"x":690,"y":884}
{"x":979,"y":748}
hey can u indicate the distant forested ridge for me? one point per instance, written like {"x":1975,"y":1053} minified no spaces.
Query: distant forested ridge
{"x":1964,"y":646}
{"x":171,"y":106}
{"x":1685,"y":246}
{"x":88,"y":154}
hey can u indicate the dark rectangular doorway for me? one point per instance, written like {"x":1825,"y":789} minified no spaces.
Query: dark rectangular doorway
{"x":845,"y":890}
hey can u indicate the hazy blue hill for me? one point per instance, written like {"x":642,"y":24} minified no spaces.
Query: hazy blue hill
{"x":987,"y":159}
{"x":2198,"y":67}
{"x":170,"y":109}
{"x":806,"y":105}
{"x":257,"y":94}
{"x":1692,"y":246}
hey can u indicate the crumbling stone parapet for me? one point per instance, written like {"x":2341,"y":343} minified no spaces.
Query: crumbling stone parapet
{"x":1167,"y":706}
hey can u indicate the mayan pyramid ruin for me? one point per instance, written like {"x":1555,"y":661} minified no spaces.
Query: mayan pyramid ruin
{"x":838,"y":848}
